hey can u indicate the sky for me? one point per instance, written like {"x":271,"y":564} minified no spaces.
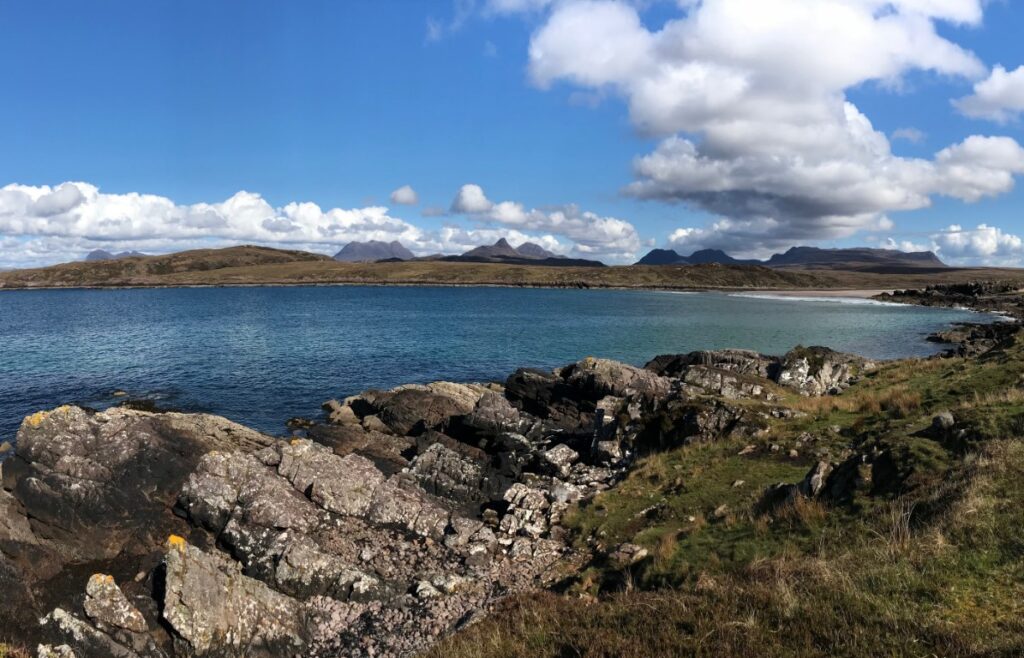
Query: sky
{"x":596,"y":128}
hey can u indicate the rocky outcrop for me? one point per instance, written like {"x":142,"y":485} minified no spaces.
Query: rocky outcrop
{"x":402,"y":516}
{"x":811,"y":371}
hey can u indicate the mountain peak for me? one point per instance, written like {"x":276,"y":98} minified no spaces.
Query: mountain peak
{"x":373,"y":250}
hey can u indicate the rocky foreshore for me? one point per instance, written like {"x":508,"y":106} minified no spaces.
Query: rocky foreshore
{"x":399,"y":518}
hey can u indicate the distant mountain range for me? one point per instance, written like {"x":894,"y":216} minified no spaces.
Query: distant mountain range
{"x":374,"y":250}
{"x":859,"y":258}
{"x":501,"y":251}
{"x":527,"y":253}
{"x":102,"y":254}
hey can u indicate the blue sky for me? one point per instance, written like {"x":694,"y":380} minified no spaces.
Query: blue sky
{"x":545,"y":106}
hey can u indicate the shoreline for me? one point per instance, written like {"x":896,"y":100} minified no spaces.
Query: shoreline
{"x":851,"y":293}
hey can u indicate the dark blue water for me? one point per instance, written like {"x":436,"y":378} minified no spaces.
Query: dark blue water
{"x":262,"y":355}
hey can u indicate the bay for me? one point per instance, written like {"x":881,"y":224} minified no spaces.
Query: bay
{"x":262,"y":355}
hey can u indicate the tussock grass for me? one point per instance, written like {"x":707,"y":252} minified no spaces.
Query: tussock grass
{"x":931,"y":567}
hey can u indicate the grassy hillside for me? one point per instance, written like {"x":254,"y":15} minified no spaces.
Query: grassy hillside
{"x":150,"y":270}
{"x":264,"y":266}
{"x":925,"y":558}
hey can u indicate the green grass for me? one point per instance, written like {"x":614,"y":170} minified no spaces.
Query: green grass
{"x":930,"y":566}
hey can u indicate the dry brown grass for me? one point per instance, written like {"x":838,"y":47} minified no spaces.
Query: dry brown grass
{"x":14,"y":651}
{"x":1011,"y":396}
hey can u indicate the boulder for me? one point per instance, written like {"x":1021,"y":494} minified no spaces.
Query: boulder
{"x":597,"y":378}
{"x":96,"y":484}
{"x":815,"y":371}
{"x":215,"y":610}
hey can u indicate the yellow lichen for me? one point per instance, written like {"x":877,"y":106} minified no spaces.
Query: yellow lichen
{"x":174,"y":541}
{"x":294,"y":442}
{"x":36,"y":419}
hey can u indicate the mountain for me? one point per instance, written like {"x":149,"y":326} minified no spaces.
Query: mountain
{"x":500,"y":249}
{"x":708,"y":256}
{"x":662,"y":257}
{"x":532,"y":250}
{"x":374,"y":250}
{"x":526,"y":254}
{"x":859,"y":258}
{"x":102,"y":254}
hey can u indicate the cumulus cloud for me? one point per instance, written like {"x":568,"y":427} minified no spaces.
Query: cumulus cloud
{"x":471,"y":199}
{"x":592,"y":235}
{"x":78,"y":215}
{"x":999,"y":97}
{"x":986,"y":244}
{"x":405,"y":196}
{"x":41,"y":225}
{"x":749,"y":99}
{"x":912,"y":135}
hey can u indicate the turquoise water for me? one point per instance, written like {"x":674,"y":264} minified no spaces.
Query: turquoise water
{"x":262,"y":355}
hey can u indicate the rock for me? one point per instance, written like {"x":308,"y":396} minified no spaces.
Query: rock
{"x":942,"y":423}
{"x":720,"y":512}
{"x":106,"y":604}
{"x":340,"y":414}
{"x":794,"y":454}
{"x":738,"y":483}
{"x":626,"y":555}
{"x":343,"y":485}
{"x":815,"y":371}
{"x":5,"y":447}
{"x":444,"y":472}
{"x":814,"y":482}
{"x":601,"y":377}
{"x":609,"y":452}
{"x":99,"y":483}
{"x":561,"y":458}
{"x":59,"y":651}
{"x":65,"y":629}
{"x":215,"y":610}
{"x":492,"y":415}
{"x":743,"y":362}
{"x":724,"y":383}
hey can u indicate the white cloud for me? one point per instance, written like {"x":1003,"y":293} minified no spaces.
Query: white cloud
{"x":906,"y":245}
{"x":515,"y":6}
{"x":79,"y":215}
{"x":984,"y":244}
{"x":592,"y":235}
{"x":999,"y":97}
{"x":749,"y":98}
{"x":405,"y":196}
{"x":912,"y":135}
{"x":41,"y":225}
{"x":471,"y":199}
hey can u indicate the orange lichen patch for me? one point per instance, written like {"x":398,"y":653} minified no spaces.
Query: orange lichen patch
{"x":100,"y":578}
{"x":36,"y":419}
{"x":174,"y":541}
{"x":294,"y":442}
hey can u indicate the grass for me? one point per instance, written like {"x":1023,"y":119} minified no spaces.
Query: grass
{"x":932,"y":565}
{"x":249,"y":265}
{"x":14,"y":651}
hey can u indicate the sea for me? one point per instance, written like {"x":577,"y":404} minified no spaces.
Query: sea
{"x":261,"y":355}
